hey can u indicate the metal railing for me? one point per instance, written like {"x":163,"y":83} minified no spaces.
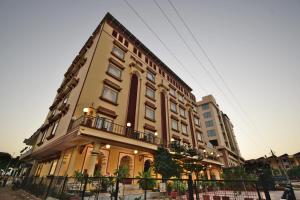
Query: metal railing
{"x":109,"y":188}
{"x":104,"y":124}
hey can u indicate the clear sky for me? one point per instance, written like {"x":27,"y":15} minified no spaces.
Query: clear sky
{"x":255,"y":46}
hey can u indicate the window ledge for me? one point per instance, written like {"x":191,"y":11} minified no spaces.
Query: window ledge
{"x":150,"y":98}
{"x":40,"y":143}
{"x":108,"y":101}
{"x":151,"y":80}
{"x":175,"y":130}
{"x":114,"y":77}
{"x":115,"y":55}
{"x":50,"y":137}
{"x":153,"y":120}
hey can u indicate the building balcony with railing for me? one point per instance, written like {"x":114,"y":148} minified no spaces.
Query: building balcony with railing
{"x":106,"y":130}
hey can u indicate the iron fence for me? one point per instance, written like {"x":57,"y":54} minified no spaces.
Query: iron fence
{"x":112,"y":188}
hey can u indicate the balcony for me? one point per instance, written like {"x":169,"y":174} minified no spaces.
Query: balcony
{"x":113,"y":131}
{"x":25,"y":154}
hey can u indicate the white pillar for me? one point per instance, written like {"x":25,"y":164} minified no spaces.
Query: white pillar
{"x":72,"y":162}
{"x":92,"y":159}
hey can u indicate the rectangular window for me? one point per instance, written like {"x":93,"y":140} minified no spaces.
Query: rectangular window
{"x":150,"y":93}
{"x":149,"y":113}
{"x":54,"y":128}
{"x":205,"y":106}
{"x":197,"y":121}
{"x":174,"y":124}
{"x":104,"y":123}
{"x":65,"y":100}
{"x":207,"y":114}
{"x":182,"y":112}
{"x":172,"y":92}
{"x":121,"y":38}
{"x":134,"y":50}
{"x":194,"y":108}
{"x":126,"y":43}
{"x":150,"y":76}
{"x":211,"y":133}
{"x":146,"y":60}
{"x":209,"y":123}
{"x":114,"y":33}
{"x":114,"y":71}
{"x":184,"y":129}
{"x":180,"y":98}
{"x":118,"y":52}
{"x":53,"y":167}
{"x":199,"y":136}
{"x":139,"y":54}
{"x":173,"y":107}
{"x":149,"y":136}
{"x":109,"y":94}
{"x":44,"y":133}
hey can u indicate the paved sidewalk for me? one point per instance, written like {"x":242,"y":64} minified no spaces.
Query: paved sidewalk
{"x":7,"y":193}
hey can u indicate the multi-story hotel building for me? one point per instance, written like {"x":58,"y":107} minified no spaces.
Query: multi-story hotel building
{"x":117,"y":102}
{"x":218,"y":131}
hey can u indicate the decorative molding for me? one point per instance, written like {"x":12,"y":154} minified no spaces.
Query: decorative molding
{"x":116,"y":63}
{"x":151,"y":105}
{"x":112,"y":84}
{"x":149,"y":127}
{"x":107,"y":112}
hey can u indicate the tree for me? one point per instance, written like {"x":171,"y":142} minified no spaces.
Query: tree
{"x":294,"y":173}
{"x":165,"y":165}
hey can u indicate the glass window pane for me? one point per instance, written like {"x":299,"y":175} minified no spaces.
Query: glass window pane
{"x":113,"y":70}
{"x":150,"y":113}
{"x":110,"y":94}
{"x":174,"y":124}
{"x":118,"y":52}
{"x":150,"y":93}
{"x":150,"y":76}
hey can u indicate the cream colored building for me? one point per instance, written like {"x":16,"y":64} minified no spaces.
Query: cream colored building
{"x":118,"y":102}
{"x":218,"y":131}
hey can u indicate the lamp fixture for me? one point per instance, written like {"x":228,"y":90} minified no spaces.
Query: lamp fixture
{"x":128,"y":124}
{"x":155,"y":133}
{"x":135,"y":151}
{"x":172,"y":139}
{"x":107,"y":146}
{"x":86,"y":110}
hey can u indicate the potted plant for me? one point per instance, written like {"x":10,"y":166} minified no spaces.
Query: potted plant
{"x":145,"y":181}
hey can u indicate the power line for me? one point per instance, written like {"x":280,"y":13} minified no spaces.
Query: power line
{"x":146,"y":24}
{"x":196,"y":57}
{"x":242,"y":110}
{"x":165,"y":46}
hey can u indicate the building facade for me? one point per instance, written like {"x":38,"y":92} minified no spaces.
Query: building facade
{"x":117,"y":103}
{"x":218,"y":131}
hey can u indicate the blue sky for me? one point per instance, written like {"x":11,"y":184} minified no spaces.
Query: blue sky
{"x":254,"y":45}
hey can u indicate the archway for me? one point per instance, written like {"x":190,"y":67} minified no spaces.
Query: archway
{"x":147,"y":165}
{"x":99,"y":166}
{"x":126,"y":161}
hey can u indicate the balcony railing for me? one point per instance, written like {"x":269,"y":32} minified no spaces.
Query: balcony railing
{"x":104,"y":124}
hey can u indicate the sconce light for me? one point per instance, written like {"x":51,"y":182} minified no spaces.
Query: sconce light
{"x":107,"y":146}
{"x":204,"y":150}
{"x":172,"y":139}
{"x":155,"y":133}
{"x":85,"y":110}
{"x":135,"y":151}
{"x":128,"y":124}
